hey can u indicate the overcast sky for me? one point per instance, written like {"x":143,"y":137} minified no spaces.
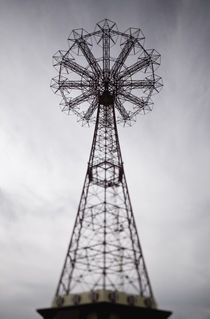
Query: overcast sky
{"x":44,"y":153}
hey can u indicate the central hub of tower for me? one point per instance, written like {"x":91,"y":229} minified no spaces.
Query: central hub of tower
{"x":106,"y":98}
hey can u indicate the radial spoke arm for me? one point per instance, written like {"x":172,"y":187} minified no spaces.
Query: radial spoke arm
{"x":122,"y":110}
{"x":89,"y":56}
{"x":133,"y":99}
{"x":79,"y":99}
{"x":73,"y":66}
{"x":62,"y":83}
{"x":139,"y":84}
{"x":123,"y":55}
{"x":73,"y":84}
{"x":91,"y":110}
{"x":135,"y":67}
{"x":106,"y":54}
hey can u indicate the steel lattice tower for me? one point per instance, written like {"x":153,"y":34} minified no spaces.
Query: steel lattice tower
{"x":104,"y":261}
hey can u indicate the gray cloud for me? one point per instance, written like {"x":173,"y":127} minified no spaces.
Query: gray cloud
{"x":44,"y":153}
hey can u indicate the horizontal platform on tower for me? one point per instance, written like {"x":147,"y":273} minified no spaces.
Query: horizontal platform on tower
{"x":103,"y":310}
{"x":108,"y":296}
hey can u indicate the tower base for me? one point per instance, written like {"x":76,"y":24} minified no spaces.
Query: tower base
{"x":103,"y":310}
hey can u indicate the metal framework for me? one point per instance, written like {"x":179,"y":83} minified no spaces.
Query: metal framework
{"x":104,"y":250}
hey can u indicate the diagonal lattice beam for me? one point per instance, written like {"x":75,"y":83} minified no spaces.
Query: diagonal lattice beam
{"x":133,"y":99}
{"x":123,"y":55}
{"x":73,"y":66}
{"x":138,"y":66}
{"x":78,"y":100}
{"x":82,"y":44}
{"x":122,"y":110}
{"x":91,"y":110}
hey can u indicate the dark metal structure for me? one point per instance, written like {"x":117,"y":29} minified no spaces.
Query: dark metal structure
{"x":106,"y":77}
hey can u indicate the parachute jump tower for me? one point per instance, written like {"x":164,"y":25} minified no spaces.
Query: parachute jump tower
{"x":106,"y":77}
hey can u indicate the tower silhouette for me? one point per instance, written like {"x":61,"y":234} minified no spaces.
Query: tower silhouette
{"x":104,"y":273}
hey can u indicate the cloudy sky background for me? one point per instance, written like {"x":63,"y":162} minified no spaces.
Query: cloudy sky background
{"x":44,"y":153}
